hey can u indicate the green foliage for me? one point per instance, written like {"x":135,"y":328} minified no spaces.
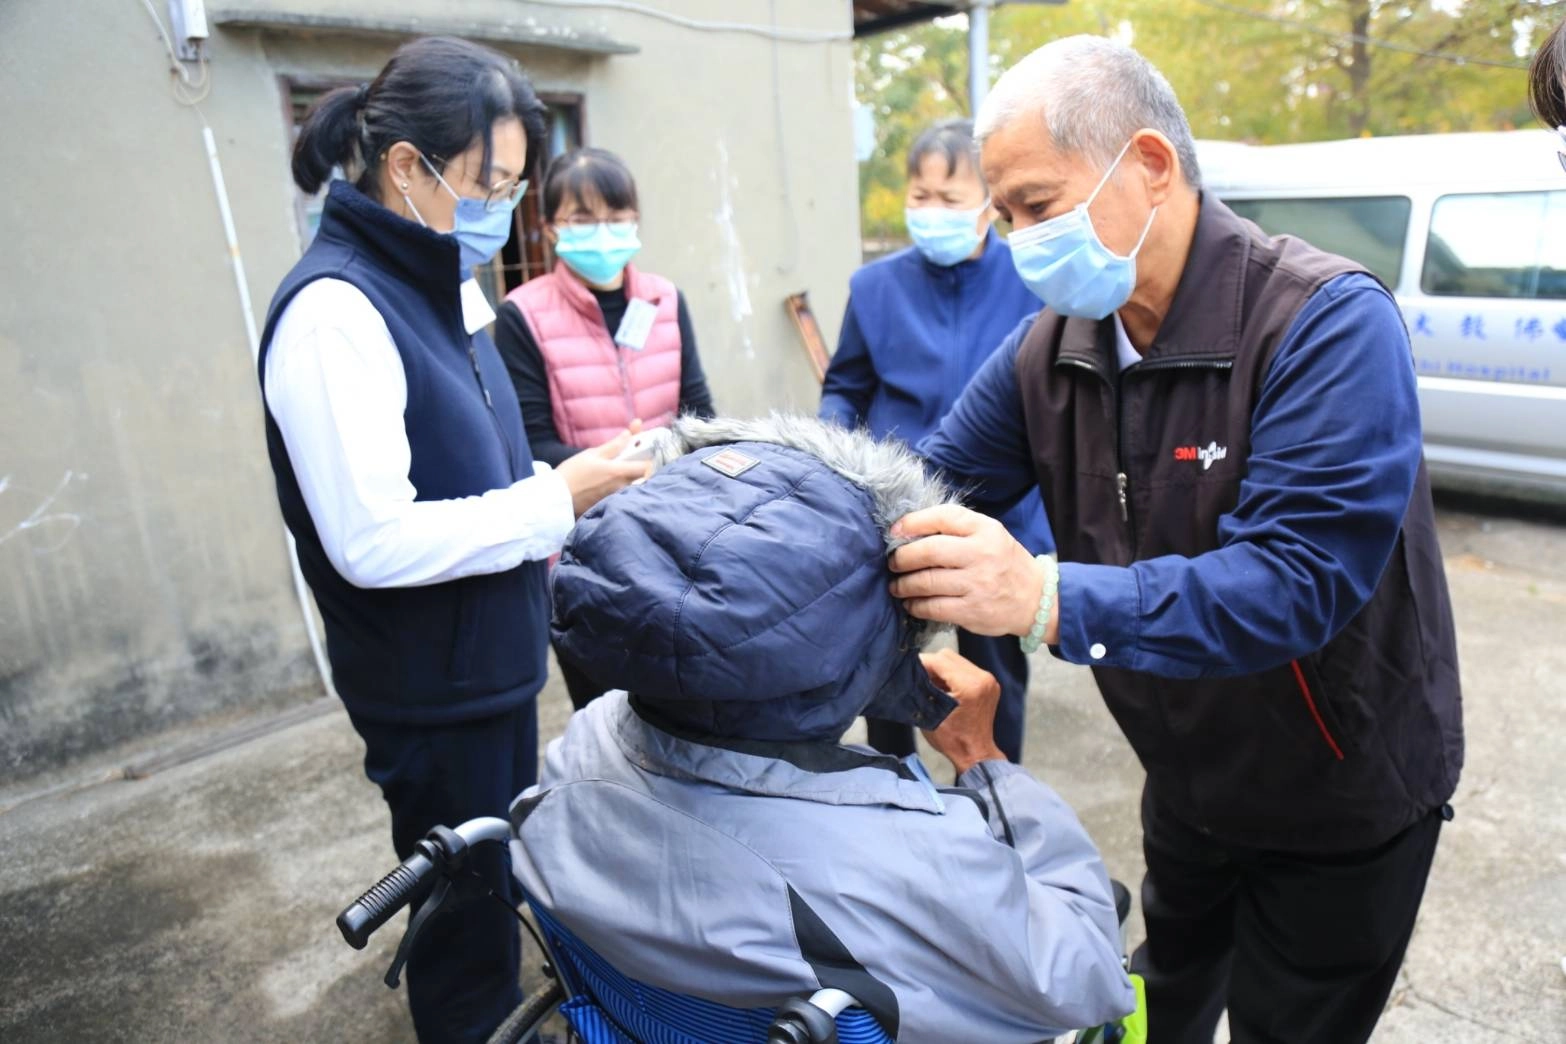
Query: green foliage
{"x":1260,"y":71}
{"x":911,"y":79}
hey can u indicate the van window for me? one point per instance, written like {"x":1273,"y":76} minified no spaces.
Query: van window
{"x":1367,"y":229}
{"x":1510,"y":244}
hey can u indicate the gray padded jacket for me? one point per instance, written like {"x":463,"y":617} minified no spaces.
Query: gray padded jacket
{"x":747,"y":872}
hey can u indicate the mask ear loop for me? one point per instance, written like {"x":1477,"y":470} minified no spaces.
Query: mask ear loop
{"x":417,"y":216}
{"x":982,"y":209}
{"x":425,"y":159}
{"x":1104,"y":181}
{"x":1145,"y":230}
{"x":1033,"y":232}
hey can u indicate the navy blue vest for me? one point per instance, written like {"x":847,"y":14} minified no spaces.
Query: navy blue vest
{"x":445,"y":652}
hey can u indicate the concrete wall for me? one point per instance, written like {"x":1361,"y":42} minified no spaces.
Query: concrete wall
{"x":143,"y":578}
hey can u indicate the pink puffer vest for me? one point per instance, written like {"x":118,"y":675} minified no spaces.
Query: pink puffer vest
{"x":597,"y":387}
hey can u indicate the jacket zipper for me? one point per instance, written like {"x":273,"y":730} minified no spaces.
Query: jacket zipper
{"x":1310,"y":703}
{"x":1122,"y":480}
{"x":1122,"y":474}
{"x":958,"y":306}
{"x":489,"y":404}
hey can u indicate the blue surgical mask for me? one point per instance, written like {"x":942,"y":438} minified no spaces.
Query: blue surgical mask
{"x":598,"y":252}
{"x":481,"y":227}
{"x":1063,"y":261}
{"x":945,"y":237}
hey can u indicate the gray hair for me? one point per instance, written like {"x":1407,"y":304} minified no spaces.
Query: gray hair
{"x":1094,"y":94}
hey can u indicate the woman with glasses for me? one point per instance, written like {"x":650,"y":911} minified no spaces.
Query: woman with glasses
{"x":597,"y":344}
{"x":403,"y":471}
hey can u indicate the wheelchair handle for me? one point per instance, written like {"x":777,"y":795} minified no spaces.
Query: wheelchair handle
{"x":387,"y":896}
{"x":439,"y":850}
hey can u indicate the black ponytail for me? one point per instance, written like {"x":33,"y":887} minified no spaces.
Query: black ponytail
{"x":438,"y":93}
{"x":328,"y":138}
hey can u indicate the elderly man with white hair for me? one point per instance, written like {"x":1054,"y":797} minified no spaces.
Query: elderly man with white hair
{"x":1225,"y":432}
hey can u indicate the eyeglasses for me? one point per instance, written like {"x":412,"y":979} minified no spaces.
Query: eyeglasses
{"x":1560,"y":154}
{"x":583,"y":219}
{"x":504,"y":195}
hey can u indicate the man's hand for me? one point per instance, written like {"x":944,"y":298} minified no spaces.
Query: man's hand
{"x":967,"y":736}
{"x":965,"y":569}
{"x":593,"y":474}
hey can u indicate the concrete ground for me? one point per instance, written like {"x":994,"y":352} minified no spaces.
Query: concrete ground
{"x":196,"y":903}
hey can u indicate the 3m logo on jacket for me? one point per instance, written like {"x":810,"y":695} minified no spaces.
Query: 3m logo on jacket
{"x":1209,"y":454}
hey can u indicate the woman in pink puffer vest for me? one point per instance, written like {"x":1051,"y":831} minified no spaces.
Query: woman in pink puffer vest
{"x":596,"y":343}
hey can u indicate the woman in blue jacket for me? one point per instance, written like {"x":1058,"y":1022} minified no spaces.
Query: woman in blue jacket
{"x":919,"y":325}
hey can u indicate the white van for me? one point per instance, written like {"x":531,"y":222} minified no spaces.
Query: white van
{"x":1469,"y":231}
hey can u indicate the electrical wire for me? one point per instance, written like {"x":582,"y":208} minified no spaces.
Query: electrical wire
{"x":1361,"y":38}
{"x":242,"y":287}
{"x":183,"y":84}
{"x":703,"y":25}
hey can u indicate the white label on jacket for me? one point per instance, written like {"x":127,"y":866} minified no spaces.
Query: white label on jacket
{"x":636,"y":324}
{"x":730,"y":462}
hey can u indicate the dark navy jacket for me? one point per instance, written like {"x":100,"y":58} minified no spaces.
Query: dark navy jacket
{"x":462,"y":649}
{"x":914,"y":335}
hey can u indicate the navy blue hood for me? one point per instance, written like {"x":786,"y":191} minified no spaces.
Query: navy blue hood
{"x":742,"y":591}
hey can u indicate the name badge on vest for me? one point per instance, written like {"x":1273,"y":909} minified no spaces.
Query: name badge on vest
{"x":476,"y":310}
{"x":636,"y":324}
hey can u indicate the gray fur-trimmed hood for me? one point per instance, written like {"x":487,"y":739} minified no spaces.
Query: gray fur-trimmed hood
{"x":894,"y":477}
{"x":742,"y":591}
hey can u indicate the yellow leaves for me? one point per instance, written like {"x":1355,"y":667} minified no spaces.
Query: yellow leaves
{"x":1288,"y":71}
{"x":881,"y":212}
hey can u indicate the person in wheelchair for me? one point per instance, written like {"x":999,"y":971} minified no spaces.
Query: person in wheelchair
{"x":703,"y":829}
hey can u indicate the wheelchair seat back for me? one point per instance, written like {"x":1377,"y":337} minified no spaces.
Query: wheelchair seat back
{"x":608,"y":1007}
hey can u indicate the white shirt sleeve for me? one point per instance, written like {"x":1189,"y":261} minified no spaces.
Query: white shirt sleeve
{"x":335,"y":385}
